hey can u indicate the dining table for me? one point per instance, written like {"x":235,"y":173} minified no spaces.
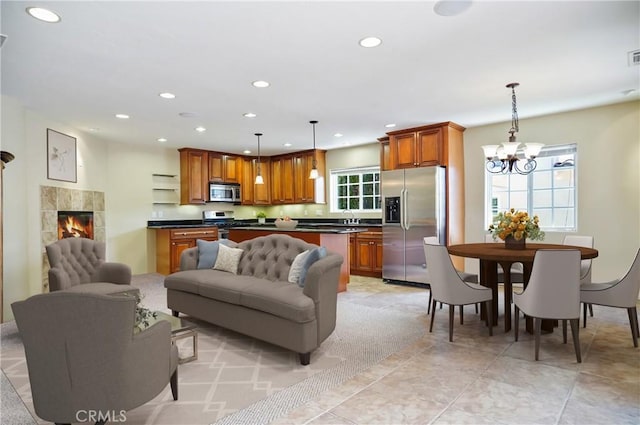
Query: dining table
{"x":491,"y":254}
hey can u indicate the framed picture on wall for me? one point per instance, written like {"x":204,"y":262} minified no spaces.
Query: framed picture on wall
{"x":61,"y":157}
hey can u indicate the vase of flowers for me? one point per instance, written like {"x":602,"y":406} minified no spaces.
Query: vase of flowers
{"x":514,"y":227}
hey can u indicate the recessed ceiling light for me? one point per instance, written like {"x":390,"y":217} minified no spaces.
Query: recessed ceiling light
{"x":337,"y":135}
{"x":390,"y":125}
{"x":451,"y":7}
{"x":246,"y":151}
{"x":187,"y":114}
{"x":200,"y":129}
{"x":43,"y":14}
{"x":260,"y":84}
{"x":94,"y":129}
{"x":249,"y":115}
{"x":162,"y":140}
{"x":370,"y":42}
{"x":286,"y":145}
{"x":167,"y":95}
{"x":122,"y":116}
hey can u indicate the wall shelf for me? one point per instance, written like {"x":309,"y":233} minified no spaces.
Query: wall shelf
{"x":165,"y":189}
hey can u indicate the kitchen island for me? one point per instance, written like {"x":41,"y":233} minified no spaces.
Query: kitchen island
{"x":334,"y":239}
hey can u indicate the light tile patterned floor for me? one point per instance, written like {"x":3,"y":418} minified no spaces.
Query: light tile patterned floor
{"x":480,"y":379}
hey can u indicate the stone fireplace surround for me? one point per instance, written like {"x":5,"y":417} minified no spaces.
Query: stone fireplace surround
{"x":54,"y":199}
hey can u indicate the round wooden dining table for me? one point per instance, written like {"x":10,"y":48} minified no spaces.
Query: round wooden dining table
{"x":491,"y":254}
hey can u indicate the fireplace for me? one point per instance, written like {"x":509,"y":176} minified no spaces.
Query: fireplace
{"x":75,"y":224}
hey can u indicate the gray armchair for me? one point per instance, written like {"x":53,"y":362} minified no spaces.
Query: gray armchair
{"x":78,"y":265}
{"x":82,"y":355}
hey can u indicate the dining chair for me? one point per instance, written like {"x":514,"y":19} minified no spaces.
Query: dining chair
{"x":585,"y":265}
{"x":620,"y":293}
{"x":553,"y":292}
{"x":447,"y":287}
{"x":467,"y":277}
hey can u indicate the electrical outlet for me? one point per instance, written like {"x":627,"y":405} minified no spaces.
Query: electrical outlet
{"x":318,"y":213}
{"x":160,"y":214}
{"x":253,"y":212}
{"x":154,"y":214}
{"x":305,"y":212}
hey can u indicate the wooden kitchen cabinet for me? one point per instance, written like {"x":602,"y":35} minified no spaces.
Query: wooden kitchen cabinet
{"x":365,"y":253}
{"x":256,"y":194}
{"x":385,"y":154}
{"x":416,"y":148}
{"x":194,"y":176}
{"x":282,"y":177}
{"x":224,"y":168}
{"x":306,"y":190}
{"x":171,"y":242}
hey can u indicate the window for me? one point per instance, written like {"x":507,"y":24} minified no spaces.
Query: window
{"x":550,"y":192}
{"x":355,"y":189}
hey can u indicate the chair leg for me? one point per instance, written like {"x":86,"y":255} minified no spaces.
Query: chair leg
{"x":433,"y":315}
{"x":575,"y":333}
{"x":516,"y":319}
{"x":477,"y":308}
{"x":591,"y":310}
{"x":633,"y":322}
{"x":174,"y":384}
{"x":537,"y":326}
{"x":451,"y":311}
{"x":564,"y":331}
{"x":461,"y":314}
{"x":490,"y":316}
{"x":584,"y":315}
{"x":429,"y":303}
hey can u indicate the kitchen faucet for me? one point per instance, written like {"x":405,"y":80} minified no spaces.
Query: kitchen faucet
{"x":352,"y":220}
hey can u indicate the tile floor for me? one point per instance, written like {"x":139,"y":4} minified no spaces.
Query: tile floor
{"x":480,"y":379}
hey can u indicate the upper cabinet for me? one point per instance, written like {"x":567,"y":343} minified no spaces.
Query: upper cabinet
{"x":194,"y":176}
{"x":385,"y":154}
{"x":421,"y":146}
{"x":224,"y":168}
{"x":286,"y":177}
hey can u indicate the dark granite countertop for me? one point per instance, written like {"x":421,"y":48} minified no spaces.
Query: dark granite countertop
{"x":306,"y":223}
{"x":302,"y":228}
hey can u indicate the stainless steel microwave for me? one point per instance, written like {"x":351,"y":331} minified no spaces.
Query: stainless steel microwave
{"x":225,"y":192}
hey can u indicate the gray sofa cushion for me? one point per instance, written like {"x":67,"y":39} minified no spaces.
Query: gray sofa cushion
{"x":270,"y":257}
{"x":282,"y":299}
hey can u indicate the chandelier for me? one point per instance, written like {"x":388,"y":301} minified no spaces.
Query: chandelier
{"x":504,"y":158}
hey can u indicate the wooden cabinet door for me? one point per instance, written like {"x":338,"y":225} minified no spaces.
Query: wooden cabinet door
{"x":377,"y":252}
{"x":277,"y":197}
{"x":353,"y":264}
{"x":262,"y":192}
{"x":215,"y":167}
{"x":364,"y":254}
{"x":428,"y":147}
{"x":194,"y":176}
{"x":177,"y":246}
{"x":248,"y":180}
{"x":232,"y":169}
{"x":403,"y":150}
{"x":385,"y":155}
{"x":287,"y":180}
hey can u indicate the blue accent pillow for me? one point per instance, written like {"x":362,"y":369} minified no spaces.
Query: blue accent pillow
{"x":313,"y":256}
{"x":208,"y":252}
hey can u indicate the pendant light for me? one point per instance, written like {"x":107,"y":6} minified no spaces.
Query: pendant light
{"x":314,"y":167}
{"x":259,"y":179}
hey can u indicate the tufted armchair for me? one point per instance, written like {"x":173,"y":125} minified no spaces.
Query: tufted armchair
{"x":83,"y":354}
{"x":78,"y":265}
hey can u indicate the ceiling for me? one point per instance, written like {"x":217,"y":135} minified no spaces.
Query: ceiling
{"x":105,"y":58}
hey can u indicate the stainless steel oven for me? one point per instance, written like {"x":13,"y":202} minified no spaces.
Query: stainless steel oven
{"x":225,"y":192}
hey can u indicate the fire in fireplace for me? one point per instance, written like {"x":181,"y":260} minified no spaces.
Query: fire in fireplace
{"x":75,"y":224}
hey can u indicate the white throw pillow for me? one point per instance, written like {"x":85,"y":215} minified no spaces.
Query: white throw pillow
{"x":296,"y":267}
{"x":228,"y":259}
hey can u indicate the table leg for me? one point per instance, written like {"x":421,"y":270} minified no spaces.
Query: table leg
{"x":489,"y":278}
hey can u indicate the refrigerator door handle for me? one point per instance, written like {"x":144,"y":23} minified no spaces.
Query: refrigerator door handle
{"x":402,"y":209}
{"x":405,"y":209}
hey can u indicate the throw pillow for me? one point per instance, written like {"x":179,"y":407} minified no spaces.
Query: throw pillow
{"x":296,"y":267}
{"x":208,"y":252}
{"x":228,"y":259}
{"x":313,"y":256}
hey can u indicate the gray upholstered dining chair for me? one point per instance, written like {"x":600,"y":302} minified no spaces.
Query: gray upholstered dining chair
{"x":467,"y":277}
{"x":620,"y":293}
{"x":79,"y":265}
{"x":83,"y":355}
{"x":585,"y":265}
{"x":553,"y":292}
{"x":448,"y":287}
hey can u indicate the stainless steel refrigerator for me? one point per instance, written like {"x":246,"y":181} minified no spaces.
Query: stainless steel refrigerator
{"x":414,"y":202}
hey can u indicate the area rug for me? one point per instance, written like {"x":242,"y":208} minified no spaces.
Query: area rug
{"x":237,"y":379}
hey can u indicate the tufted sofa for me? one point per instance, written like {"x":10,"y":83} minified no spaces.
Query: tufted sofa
{"x":259,"y":301}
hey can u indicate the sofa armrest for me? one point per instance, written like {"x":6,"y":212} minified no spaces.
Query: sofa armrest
{"x":321,"y":284}
{"x":189,"y":259}
{"x":113,"y":273}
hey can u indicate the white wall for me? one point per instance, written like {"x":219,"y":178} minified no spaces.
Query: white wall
{"x":608,"y":140}
{"x":609,"y":187}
